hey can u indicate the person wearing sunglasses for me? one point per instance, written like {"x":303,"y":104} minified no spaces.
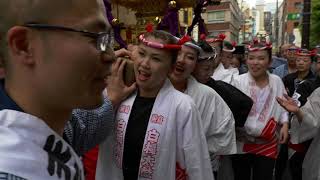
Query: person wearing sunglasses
{"x":56,"y":58}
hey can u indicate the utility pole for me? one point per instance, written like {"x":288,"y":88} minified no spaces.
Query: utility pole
{"x":306,"y":23}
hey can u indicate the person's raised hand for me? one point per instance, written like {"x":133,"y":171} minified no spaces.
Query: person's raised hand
{"x":288,"y":103}
{"x":122,"y":53}
{"x":117,"y":91}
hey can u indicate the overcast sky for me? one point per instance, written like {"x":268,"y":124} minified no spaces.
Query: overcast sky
{"x":253,"y":2}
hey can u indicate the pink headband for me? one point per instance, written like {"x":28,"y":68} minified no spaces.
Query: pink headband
{"x":158,"y":45}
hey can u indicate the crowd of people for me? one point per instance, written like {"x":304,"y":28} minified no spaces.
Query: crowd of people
{"x":196,"y":111}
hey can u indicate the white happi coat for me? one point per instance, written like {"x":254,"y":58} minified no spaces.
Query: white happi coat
{"x":30,"y":149}
{"x":226,"y":75}
{"x":217,"y":118}
{"x":259,"y":135}
{"x":174,"y":143}
{"x":309,"y":128}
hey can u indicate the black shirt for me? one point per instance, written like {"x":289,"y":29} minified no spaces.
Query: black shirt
{"x":239,"y":103}
{"x":135,"y":134}
{"x":306,"y":88}
{"x":291,"y":81}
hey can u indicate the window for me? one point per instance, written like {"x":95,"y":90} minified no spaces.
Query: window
{"x":216,"y":16}
{"x":298,"y":5}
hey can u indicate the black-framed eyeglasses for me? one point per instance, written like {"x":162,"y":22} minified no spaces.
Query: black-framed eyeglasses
{"x":104,"y":39}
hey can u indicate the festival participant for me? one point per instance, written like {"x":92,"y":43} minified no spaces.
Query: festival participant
{"x":280,"y":60}
{"x":224,"y":71}
{"x":217,"y":43}
{"x":257,"y":142}
{"x":158,"y":132}
{"x":217,"y":119}
{"x":239,"y":103}
{"x":302,"y":92}
{"x":303,"y":66}
{"x":305,"y":126}
{"x":43,"y":82}
{"x":306,"y":87}
{"x":289,"y":53}
{"x":238,"y":60}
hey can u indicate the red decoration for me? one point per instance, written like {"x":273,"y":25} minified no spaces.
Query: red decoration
{"x":181,"y":174}
{"x":264,"y":44}
{"x":269,"y":44}
{"x":184,"y":39}
{"x":222,"y":36}
{"x":305,"y":52}
{"x":203,"y":37}
{"x":149,"y":27}
{"x":313,"y":52}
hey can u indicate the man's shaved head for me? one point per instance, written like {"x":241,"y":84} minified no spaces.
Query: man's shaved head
{"x":19,"y":12}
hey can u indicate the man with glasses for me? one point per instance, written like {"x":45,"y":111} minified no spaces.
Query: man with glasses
{"x":290,"y":66}
{"x":56,"y":58}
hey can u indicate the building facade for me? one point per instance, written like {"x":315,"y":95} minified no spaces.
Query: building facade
{"x":268,"y":22}
{"x":225,"y":18}
{"x":292,"y":10}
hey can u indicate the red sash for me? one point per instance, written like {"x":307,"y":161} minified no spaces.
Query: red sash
{"x":297,"y":147}
{"x":181,"y":174}
{"x":268,"y":149}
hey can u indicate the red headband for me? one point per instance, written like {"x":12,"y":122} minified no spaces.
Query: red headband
{"x":234,"y":44}
{"x":267,"y":45}
{"x":220,"y":38}
{"x":305,"y":52}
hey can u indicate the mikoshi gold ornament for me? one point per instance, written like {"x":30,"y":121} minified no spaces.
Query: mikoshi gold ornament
{"x":172,"y":4}
{"x":115,"y":22}
{"x":157,"y":20}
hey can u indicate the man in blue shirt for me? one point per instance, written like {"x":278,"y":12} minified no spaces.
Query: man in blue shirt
{"x":289,"y":66}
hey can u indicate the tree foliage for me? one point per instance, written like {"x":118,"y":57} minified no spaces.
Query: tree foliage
{"x":315,"y":23}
